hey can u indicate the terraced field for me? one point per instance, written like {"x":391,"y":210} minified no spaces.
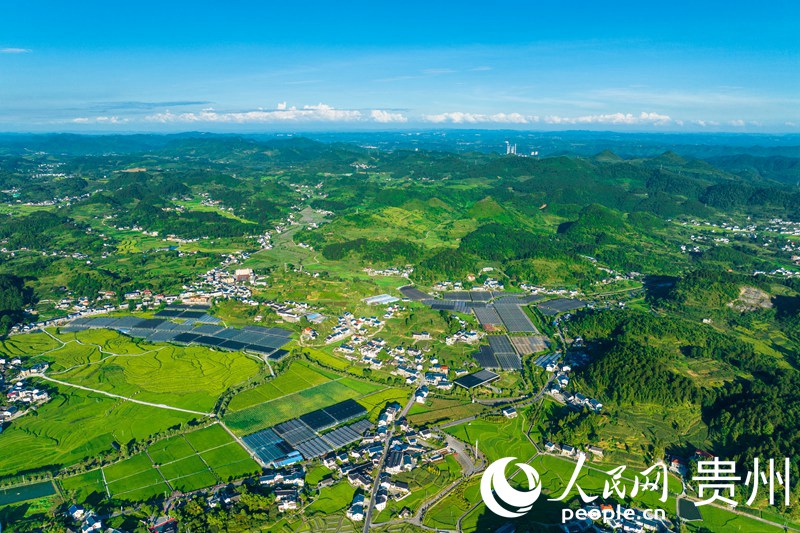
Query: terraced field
{"x":51,"y":439}
{"x":185,"y":377}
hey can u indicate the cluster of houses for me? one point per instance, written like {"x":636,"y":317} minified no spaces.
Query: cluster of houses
{"x":391,"y":271}
{"x":21,"y":393}
{"x":219,"y":282}
{"x":568,"y":450}
{"x":404,"y":452}
{"x":289,"y":310}
{"x":86,"y":519}
{"x":447,"y":285}
{"x":18,"y":394}
{"x":286,"y":485}
{"x":465,"y":336}
{"x":535,"y":289}
{"x":347,"y":325}
{"x":615,"y":518}
{"x":558,"y":389}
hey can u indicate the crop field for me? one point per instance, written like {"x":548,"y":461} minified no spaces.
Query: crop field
{"x":376,"y":401}
{"x":439,"y":409}
{"x":626,"y":434}
{"x":185,"y":377}
{"x":496,"y":439}
{"x":27,"y":345}
{"x":332,"y":499}
{"x":296,"y":378}
{"x":423,"y":484}
{"x":287,"y":407}
{"x":50,"y":438}
{"x":319,"y":523}
{"x":327,"y":359}
{"x":446,"y":512}
{"x":301,"y":389}
{"x":185,"y":462}
{"x":87,"y":486}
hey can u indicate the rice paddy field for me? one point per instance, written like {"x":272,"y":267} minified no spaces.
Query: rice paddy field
{"x":75,"y":425}
{"x":436,"y":410}
{"x":78,"y":424}
{"x":186,"y":377}
{"x":301,"y":389}
{"x":496,"y":438}
{"x":188,"y":462}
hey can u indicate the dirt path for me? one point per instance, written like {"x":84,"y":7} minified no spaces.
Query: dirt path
{"x":110,"y":395}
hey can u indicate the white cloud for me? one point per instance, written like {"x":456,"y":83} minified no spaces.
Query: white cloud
{"x":738,"y":123}
{"x":476,"y":118}
{"x":382,"y":116}
{"x":790,"y":124}
{"x":654,"y":119}
{"x":15,"y":50}
{"x":437,"y":71}
{"x":705,"y":123}
{"x":99,"y":120}
{"x":309,"y":113}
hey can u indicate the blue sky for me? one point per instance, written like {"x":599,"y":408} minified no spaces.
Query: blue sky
{"x":254,"y":66}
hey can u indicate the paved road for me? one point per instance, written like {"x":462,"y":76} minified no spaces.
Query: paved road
{"x":376,"y":483}
{"x":110,"y":395}
{"x":457,"y":422}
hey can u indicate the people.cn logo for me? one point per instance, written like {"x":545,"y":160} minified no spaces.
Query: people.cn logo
{"x":495,"y":486}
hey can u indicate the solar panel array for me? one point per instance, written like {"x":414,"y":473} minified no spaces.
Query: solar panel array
{"x":464,"y":296}
{"x":480,"y":296}
{"x":341,"y":437}
{"x":294,"y":431}
{"x":503,"y":350}
{"x":539,"y":343}
{"x":514,"y":319}
{"x":346,"y":410}
{"x":277,"y":355}
{"x":481,"y":377}
{"x":545,"y":360}
{"x":413,"y":293}
{"x":264,"y":341}
{"x":318,"y":420}
{"x":452,"y":305}
{"x":312,"y":448}
{"x":487,"y":316}
{"x":500,"y":344}
{"x":276,"y":332}
{"x":267,"y":445}
{"x":485,"y":358}
{"x":499,"y":354}
{"x":298,"y":434}
{"x":560,"y":305}
{"x":514,"y":299}
{"x":509,"y":361}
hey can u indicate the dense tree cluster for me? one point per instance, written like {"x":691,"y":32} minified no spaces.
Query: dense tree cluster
{"x":388,"y":252}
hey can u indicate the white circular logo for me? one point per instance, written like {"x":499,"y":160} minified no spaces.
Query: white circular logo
{"x":494,"y":486}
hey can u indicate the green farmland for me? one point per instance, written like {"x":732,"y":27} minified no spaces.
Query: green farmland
{"x":301,"y":389}
{"x":50,"y":440}
{"x":185,"y":377}
{"x":185,"y":462}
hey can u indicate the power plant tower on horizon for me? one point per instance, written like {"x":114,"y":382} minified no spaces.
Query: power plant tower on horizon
{"x":511,"y":149}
